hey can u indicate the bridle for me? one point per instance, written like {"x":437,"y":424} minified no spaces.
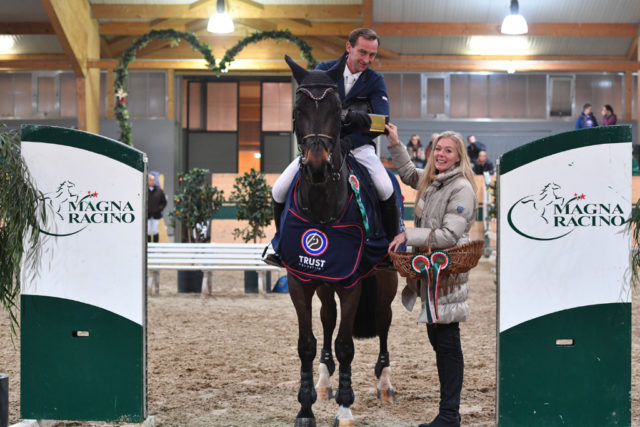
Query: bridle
{"x":325,"y":140}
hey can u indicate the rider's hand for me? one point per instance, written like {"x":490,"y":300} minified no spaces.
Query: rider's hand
{"x":397,"y":241}
{"x":358,"y":120}
{"x":392,"y":134}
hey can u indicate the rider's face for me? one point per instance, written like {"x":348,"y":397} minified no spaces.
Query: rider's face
{"x":362,"y":54}
{"x":445,"y":154}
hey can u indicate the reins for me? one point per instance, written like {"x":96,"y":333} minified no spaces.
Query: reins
{"x":324,"y":139}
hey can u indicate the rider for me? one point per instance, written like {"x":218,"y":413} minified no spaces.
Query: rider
{"x":362,"y":91}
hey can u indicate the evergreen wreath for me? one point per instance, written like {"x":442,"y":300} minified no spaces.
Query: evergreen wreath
{"x":121,"y":71}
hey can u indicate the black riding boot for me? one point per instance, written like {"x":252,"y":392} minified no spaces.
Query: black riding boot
{"x":155,"y":238}
{"x":390,"y":219}
{"x":445,"y":339}
{"x":278,"y":208}
{"x":390,"y":222}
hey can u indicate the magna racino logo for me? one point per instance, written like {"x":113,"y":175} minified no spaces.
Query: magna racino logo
{"x":71,"y":211}
{"x":314,"y":242}
{"x":552,"y":214}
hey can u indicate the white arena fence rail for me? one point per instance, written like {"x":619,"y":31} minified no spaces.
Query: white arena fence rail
{"x":207,"y":257}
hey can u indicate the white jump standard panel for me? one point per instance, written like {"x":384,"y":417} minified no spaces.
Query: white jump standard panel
{"x":83,"y":318}
{"x":564,"y":292}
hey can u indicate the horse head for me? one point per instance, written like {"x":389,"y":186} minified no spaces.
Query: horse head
{"x":317,"y":121}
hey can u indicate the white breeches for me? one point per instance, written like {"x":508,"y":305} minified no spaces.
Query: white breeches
{"x":365,"y":155}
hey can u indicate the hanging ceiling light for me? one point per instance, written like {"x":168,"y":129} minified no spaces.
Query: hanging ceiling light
{"x":514,"y":23}
{"x":221,"y":21}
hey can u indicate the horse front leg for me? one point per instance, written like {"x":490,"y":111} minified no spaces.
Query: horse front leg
{"x":344,"y":352}
{"x":301,"y":296}
{"x":326,"y":367}
{"x":387,"y":288}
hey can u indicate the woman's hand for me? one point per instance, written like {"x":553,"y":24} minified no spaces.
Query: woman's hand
{"x":397,"y":241}
{"x":392,"y":134}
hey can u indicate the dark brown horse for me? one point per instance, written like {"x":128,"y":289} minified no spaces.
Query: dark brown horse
{"x":323,"y":193}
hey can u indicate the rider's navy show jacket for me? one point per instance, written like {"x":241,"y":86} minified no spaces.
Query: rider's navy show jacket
{"x":369,"y":87}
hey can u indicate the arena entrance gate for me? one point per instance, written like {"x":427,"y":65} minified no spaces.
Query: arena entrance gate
{"x":83,"y":317}
{"x":564,"y":292}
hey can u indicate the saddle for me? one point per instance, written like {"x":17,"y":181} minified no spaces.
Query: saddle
{"x":342,"y":252}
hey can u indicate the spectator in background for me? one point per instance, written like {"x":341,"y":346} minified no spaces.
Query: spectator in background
{"x":156,"y":202}
{"x":483,"y":164}
{"x":474,"y":148}
{"x":586,"y":119}
{"x":416,"y":153}
{"x":608,"y":116}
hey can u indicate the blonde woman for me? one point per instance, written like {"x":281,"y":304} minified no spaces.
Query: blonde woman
{"x":445,"y":209}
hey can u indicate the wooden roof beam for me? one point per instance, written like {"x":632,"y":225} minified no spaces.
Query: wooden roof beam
{"x":633,"y":49}
{"x":567,"y":29}
{"x":237,"y":9}
{"x":26,"y":28}
{"x":76,"y":30}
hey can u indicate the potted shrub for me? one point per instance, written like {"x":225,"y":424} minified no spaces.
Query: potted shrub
{"x":194,"y":206}
{"x":20,"y":220}
{"x":252,"y":196}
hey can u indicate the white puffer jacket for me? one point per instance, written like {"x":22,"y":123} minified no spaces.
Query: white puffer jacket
{"x":449,"y":208}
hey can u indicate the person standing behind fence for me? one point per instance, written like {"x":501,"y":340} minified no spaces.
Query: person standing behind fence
{"x":483,"y":164}
{"x":474,"y":148}
{"x":445,"y":210}
{"x":414,"y":147}
{"x":586,"y":119}
{"x":608,"y":116}
{"x":156,"y":202}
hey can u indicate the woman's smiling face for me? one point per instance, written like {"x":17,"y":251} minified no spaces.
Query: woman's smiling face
{"x":445,"y":154}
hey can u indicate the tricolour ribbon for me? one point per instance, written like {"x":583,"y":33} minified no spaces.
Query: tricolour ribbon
{"x":438,"y":262}
{"x":355,"y":186}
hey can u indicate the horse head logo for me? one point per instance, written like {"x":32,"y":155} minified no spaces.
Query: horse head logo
{"x":58,"y":199}
{"x":546,"y":197}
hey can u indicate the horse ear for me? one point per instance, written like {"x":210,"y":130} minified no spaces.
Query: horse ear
{"x":337,"y":70}
{"x":299,"y":73}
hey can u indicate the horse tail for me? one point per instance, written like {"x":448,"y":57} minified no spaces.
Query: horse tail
{"x":364,"y":325}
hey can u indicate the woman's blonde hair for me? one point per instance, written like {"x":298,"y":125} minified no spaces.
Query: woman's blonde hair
{"x":429,"y":174}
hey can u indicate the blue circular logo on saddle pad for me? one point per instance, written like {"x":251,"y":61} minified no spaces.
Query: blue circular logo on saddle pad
{"x":314,"y":242}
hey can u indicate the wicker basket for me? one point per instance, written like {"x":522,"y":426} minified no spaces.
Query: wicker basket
{"x":461,"y":259}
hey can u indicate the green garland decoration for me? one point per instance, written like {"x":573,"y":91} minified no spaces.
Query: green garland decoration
{"x":121,"y":71}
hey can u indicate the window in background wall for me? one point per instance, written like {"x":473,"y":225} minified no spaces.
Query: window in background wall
{"x":194,"y":101}
{"x":277,"y":105}
{"x":435,"y":96}
{"x":222,"y":106}
{"x":47,"y":96}
{"x":147,"y":94}
{"x":404,"y":92}
{"x":598,"y":90}
{"x":560,"y":96}
{"x":68,"y":97}
{"x":22,"y":86}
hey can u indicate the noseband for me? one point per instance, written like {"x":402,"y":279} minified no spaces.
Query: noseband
{"x":324,"y":139}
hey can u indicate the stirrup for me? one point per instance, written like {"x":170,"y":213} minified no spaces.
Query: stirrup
{"x":273,"y":259}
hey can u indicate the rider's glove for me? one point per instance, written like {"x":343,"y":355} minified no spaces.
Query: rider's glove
{"x":357,"y":120}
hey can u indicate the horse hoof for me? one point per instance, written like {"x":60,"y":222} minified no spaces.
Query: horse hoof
{"x":305,"y":422}
{"x":344,"y":423}
{"x":387,"y":395}
{"x":324,"y":393}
